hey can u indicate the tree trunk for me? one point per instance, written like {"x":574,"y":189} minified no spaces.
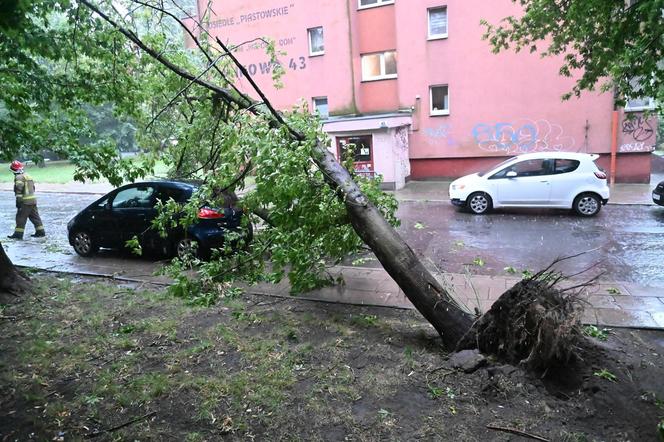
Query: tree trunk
{"x":396,"y":256}
{"x":13,"y":282}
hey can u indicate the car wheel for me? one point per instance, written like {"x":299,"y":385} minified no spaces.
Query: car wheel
{"x":479,"y":203}
{"x":83,"y":243}
{"x":587,"y":204}
{"x":186,"y":247}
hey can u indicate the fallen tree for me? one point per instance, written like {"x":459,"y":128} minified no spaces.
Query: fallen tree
{"x":204,"y":127}
{"x":534,"y":306}
{"x":398,"y":259}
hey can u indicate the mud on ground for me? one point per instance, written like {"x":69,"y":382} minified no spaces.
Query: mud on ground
{"x":94,"y":359}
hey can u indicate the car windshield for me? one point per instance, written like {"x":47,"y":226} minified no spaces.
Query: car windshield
{"x":497,"y":166}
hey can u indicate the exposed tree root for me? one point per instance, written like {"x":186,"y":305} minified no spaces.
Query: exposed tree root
{"x":536,"y":323}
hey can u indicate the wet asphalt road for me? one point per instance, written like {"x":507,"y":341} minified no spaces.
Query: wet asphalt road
{"x":628,"y":241}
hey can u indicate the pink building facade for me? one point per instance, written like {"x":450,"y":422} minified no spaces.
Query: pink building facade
{"x":412,"y":85}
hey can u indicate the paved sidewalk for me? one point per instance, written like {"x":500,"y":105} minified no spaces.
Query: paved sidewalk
{"x":609,"y":305}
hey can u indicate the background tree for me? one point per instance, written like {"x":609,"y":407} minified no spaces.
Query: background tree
{"x":56,"y":59}
{"x":613,"y":44}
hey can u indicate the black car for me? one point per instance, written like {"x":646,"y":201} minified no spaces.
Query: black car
{"x":128,"y":212}
{"x":658,"y":194}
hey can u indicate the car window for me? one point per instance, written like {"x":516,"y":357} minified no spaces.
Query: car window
{"x":102,"y":203}
{"x":565,"y":166}
{"x":497,"y":166}
{"x":134,"y":197}
{"x":528,"y":168}
{"x":166,"y":193}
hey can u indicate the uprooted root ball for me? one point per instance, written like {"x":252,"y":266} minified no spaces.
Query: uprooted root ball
{"x":535,"y":323}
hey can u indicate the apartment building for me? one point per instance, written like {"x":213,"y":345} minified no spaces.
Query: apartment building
{"x":418,"y":92}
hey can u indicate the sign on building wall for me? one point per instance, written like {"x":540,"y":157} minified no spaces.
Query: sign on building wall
{"x":289,"y":25}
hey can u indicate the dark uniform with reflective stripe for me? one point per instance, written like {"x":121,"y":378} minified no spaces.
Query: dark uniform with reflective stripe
{"x":26,"y":203}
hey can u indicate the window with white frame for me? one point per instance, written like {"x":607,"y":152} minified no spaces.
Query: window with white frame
{"x":640,"y":104}
{"x":439,"y":97}
{"x":373,"y":3}
{"x":437,"y":22}
{"x":379,"y":66}
{"x":320,"y":106}
{"x":316,"y":43}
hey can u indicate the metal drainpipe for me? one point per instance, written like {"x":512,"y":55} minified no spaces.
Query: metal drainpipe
{"x":614,"y":147}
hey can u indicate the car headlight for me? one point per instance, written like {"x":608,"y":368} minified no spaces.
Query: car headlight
{"x":70,"y":224}
{"x":458,"y":186}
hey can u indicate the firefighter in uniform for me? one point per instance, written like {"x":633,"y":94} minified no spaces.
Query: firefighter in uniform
{"x":26,"y":203}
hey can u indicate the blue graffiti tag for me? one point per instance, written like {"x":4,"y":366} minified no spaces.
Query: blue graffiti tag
{"x":504,"y":137}
{"x":442,"y":132}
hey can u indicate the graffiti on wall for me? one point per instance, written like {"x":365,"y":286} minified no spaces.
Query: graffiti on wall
{"x":401,"y":151}
{"x":638,"y":146}
{"x":522,"y":136}
{"x":638,"y":135}
{"x":440,"y":134}
{"x":638,"y":128}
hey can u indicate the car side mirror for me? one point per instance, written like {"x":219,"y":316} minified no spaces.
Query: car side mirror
{"x":511,"y":174}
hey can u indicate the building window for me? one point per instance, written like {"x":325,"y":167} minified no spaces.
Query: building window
{"x":379,"y":66}
{"x":320,"y":106}
{"x":316,"y":45}
{"x":640,"y":104}
{"x":437,"y":22}
{"x":363,"y":4}
{"x":439,"y":98}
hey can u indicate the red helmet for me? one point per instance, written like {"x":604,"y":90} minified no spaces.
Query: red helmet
{"x":16,"y":165}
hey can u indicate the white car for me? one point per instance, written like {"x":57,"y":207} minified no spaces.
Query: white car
{"x":562,"y":180}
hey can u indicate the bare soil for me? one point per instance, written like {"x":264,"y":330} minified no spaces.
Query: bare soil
{"x":93,"y":359}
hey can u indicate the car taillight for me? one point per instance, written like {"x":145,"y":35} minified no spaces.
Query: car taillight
{"x":600,"y":175}
{"x":207,"y":213}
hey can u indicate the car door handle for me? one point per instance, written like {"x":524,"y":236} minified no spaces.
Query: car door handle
{"x":543,"y":181}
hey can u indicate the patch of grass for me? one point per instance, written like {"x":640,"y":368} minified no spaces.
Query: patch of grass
{"x":149,"y":386}
{"x":61,"y":172}
{"x":290,"y":334}
{"x":606,"y":374}
{"x":613,"y":291}
{"x":194,"y":437}
{"x":361,"y":261}
{"x":228,"y":335}
{"x":435,"y":392}
{"x":526,"y":274}
{"x":601,"y":334}
{"x":479,"y":262}
{"x":567,"y":436}
{"x":364,"y":320}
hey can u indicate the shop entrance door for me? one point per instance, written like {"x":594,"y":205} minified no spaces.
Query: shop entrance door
{"x":362,"y":153}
